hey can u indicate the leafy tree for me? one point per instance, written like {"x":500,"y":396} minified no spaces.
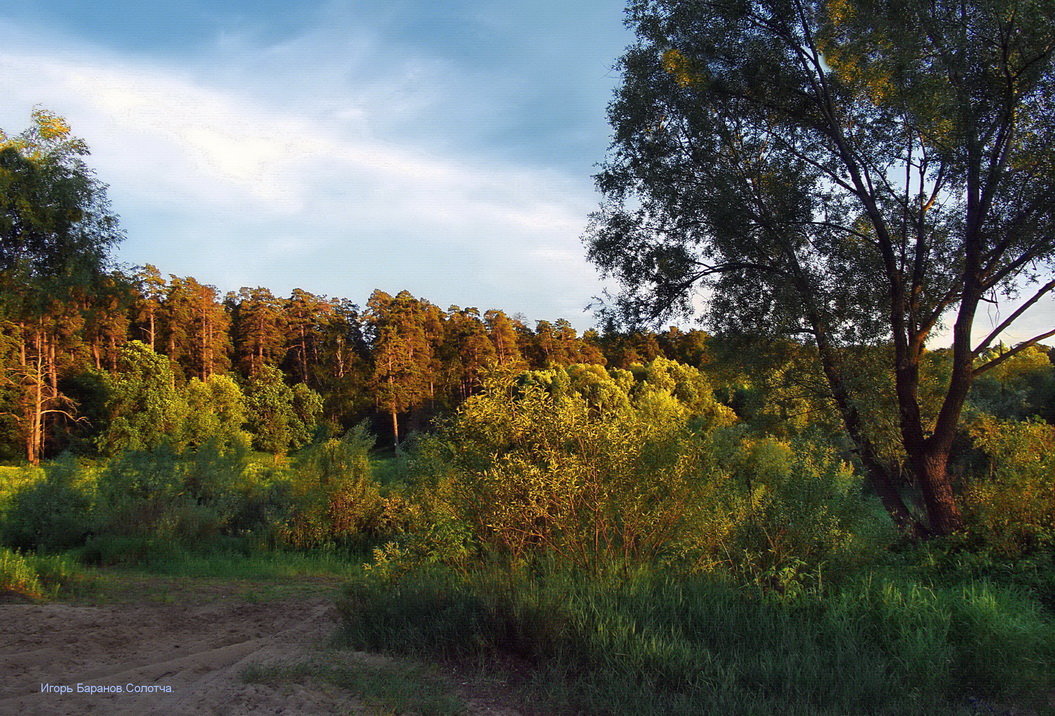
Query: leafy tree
{"x":215,"y":411}
{"x":281,"y":418}
{"x":55,"y":220}
{"x":146,"y":411}
{"x":849,"y":171}
{"x":1018,"y":388}
{"x":56,"y":229}
{"x":403,"y":355}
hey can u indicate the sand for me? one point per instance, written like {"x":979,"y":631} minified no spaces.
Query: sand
{"x":176,"y":650}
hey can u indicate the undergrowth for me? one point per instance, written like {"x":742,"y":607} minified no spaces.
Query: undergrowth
{"x":655,"y":643}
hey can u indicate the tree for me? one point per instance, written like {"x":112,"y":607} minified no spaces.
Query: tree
{"x":215,"y":412}
{"x":279,"y":417}
{"x":259,"y":328}
{"x":466,"y":352}
{"x":145,"y":409}
{"x":55,"y":220}
{"x":851,"y":172}
{"x":403,"y":354}
{"x":307,"y":316}
{"x":56,"y":229}
{"x":197,"y":327}
{"x":151,"y":290}
{"x":504,"y":336}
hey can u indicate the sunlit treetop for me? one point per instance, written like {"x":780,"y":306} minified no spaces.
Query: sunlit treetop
{"x":55,"y":219}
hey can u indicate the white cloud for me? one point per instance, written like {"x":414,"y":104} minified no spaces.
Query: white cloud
{"x":230,"y":182}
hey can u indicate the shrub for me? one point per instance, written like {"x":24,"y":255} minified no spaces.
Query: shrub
{"x":539,"y":466}
{"x":777,"y":511}
{"x":1012,"y":507}
{"x":50,"y":513}
{"x":334,"y":497}
{"x":601,"y":470}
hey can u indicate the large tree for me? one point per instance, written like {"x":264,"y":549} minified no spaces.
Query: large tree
{"x":56,"y":229}
{"x":849,"y":172}
{"x":403,"y":375}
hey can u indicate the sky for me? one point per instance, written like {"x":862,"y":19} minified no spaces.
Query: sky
{"x":340,"y":146}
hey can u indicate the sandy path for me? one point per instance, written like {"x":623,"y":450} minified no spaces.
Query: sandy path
{"x":196,"y":651}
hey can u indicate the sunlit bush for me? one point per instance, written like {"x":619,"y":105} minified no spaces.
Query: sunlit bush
{"x":1012,"y":506}
{"x":600,"y":468}
{"x":776,"y":511}
{"x":334,"y":497}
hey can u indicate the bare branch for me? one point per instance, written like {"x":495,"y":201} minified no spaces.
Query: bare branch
{"x":1046,"y":288}
{"x":1007,"y":354}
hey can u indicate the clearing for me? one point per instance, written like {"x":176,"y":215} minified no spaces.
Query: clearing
{"x":201,"y":646}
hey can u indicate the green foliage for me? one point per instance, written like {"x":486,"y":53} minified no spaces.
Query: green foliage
{"x":50,"y":512}
{"x":144,"y":406}
{"x":35,"y":576}
{"x":752,"y":146}
{"x":215,"y":411}
{"x":1012,"y":507}
{"x":1018,"y":388}
{"x":280,"y":418}
{"x":573,"y":460}
{"x":335,"y":499}
{"x":55,"y":220}
{"x":163,"y":495}
{"x":603,"y":467}
{"x":777,"y":513}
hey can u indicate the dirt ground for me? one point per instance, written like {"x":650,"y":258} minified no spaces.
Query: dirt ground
{"x":185,"y":647}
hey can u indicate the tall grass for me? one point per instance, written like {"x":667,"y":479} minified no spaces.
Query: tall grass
{"x":35,"y":577}
{"x":658,"y":644}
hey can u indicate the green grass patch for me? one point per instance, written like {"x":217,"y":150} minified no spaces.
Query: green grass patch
{"x":660,"y":644}
{"x":392,"y":687}
{"x":36,"y":577}
{"x":390,"y":469}
{"x":221,"y":559}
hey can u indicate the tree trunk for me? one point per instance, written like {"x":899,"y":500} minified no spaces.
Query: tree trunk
{"x":933,"y":477}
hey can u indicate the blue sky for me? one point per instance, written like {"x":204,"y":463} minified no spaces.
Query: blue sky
{"x":344,"y":145}
{"x":341,"y":146}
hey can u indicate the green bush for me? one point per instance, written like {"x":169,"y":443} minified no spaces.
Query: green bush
{"x":49,"y":513}
{"x":600,"y":469}
{"x":335,"y":499}
{"x":776,"y":512}
{"x":574,"y":461}
{"x":1012,"y":507}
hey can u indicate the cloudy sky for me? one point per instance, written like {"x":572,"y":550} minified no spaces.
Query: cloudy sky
{"x":340,"y":146}
{"x":337,"y":146}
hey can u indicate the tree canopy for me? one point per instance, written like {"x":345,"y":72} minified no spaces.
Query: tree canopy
{"x":855,"y":172}
{"x":55,"y":220}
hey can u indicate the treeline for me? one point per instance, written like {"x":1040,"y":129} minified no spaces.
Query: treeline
{"x":70,"y":359}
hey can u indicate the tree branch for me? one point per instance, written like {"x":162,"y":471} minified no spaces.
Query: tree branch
{"x":1011,"y":319}
{"x":1017,"y":349}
